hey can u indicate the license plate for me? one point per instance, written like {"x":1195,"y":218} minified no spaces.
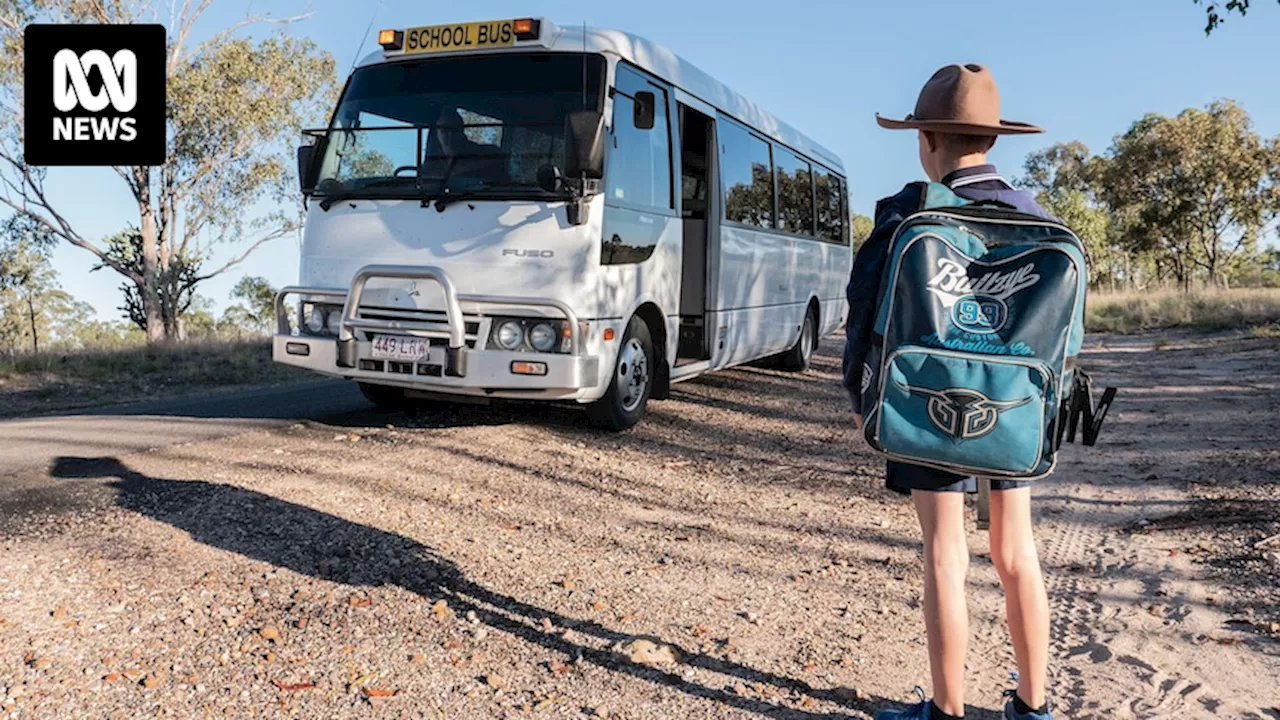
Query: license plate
{"x":400,"y":347}
{"x":466,"y":36}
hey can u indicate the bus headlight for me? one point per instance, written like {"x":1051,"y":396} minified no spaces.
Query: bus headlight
{"x":321,"y":319}
{"x":509,"y":335}
{"x":542,"y":337}
{"x":316,"y":320}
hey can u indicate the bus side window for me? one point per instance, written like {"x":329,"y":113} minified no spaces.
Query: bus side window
{"x":746,"y":167}
{"x":639,"y":164}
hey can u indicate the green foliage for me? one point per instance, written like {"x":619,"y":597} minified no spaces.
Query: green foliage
{"x":1215,"y":14}
{"x":175,"y":282}
{"x":234,"y":107}
{"x":367,"y":163}
{"x":1182,"y":199}
{"x":861,"y":227}
{"x":234,"y":111}
{"x":259,"y":302}
{"x":1200,"y":188}
{"x":29,"y":294}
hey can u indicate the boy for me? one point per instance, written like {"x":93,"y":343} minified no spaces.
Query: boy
{"x":957,"y":118}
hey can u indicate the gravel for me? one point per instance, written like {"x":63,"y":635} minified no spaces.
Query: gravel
{"x":734,"y":556}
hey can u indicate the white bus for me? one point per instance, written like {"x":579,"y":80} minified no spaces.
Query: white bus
{"x":517,"y":210}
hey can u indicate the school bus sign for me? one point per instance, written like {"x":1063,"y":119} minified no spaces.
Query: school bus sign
{"x":468,"y":36}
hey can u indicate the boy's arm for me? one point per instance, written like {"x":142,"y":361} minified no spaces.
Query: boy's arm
{"x":863,"y":294}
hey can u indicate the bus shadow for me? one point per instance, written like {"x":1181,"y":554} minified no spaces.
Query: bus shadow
{"x":333,"y":549}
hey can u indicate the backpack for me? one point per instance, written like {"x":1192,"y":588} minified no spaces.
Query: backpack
{"x":972,"y":366}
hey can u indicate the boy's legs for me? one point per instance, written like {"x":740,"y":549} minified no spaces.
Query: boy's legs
{"x":1013,"y":552}
{"x":946,"y":616}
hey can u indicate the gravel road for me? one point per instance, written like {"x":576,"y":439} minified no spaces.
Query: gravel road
{"x":734,"y":556}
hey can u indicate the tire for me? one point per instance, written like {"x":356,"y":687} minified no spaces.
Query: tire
{"x":388,"y":398}
{"x":627,"y":399}
{"x":797,"y":359}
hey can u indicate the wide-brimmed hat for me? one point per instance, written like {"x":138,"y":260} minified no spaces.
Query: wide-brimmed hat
{"x":960,"y":99}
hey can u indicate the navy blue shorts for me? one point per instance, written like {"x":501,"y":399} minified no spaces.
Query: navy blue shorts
{"x":903,"y":478}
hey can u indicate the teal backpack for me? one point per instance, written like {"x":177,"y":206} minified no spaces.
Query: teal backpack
{"x":973,"y":365}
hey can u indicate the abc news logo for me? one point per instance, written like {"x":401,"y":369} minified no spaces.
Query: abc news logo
{"x":94,"y":94}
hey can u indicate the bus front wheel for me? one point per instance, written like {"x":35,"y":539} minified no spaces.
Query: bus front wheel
{"x":628,"y":396}
{"x":798,"y":357}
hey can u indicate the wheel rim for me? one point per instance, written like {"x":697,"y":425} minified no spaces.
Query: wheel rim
{"x":806,"y":338}
{"x":633,"y":374}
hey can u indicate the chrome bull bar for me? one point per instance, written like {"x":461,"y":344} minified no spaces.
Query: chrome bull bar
{"x":456,"y":351}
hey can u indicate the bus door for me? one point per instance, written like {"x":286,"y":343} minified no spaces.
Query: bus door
{"x":698,"y":214}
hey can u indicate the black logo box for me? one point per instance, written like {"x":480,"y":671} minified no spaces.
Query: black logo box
{"x":41,"y":43}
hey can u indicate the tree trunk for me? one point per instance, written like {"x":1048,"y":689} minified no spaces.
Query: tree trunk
{"x":35,"y":334}
{"x":150,"y":259}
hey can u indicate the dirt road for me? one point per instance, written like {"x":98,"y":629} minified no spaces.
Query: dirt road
{"x":734,"y":556}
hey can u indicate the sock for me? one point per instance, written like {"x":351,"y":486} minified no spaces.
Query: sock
{"x":1024,"y":709}
{"x":936,"y":714}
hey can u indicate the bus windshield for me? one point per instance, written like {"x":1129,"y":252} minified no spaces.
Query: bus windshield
{"x":481,"y":124}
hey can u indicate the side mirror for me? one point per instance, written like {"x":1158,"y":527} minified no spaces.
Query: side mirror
{"x":550,"y":179}
{"x":646,"y":108}
{"x":585,"y":147}
{"x":305,"y":155}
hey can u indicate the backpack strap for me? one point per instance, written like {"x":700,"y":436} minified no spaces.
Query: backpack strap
{"x":936,"y":195}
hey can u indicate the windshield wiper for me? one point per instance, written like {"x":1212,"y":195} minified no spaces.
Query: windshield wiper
{"x":328,"y":200}
{"x":444,"y":201}
{"x":490,"y":193}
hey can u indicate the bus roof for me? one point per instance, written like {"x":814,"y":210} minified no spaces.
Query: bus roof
{"x":665,"y":64}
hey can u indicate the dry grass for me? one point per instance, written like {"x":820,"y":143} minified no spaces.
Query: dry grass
{"x":54,"y":381}
{"x":1131,"y":312}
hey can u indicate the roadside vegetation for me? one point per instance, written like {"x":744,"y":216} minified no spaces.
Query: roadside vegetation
{"x":33,"y":383}
{"x":1256,"y":310}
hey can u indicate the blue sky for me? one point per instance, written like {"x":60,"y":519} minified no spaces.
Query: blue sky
{"x":1082,"y":70}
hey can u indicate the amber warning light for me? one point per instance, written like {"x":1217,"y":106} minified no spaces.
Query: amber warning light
{"x":527,"y":29}
{"x":390,"y":39}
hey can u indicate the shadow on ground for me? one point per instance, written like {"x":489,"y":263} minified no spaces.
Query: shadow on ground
{"x":334,"y":549}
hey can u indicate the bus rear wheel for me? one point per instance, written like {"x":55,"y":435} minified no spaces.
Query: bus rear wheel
{"x":627,"y":399}
{"x":797,"y":359}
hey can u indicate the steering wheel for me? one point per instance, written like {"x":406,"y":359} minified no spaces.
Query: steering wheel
{"x":410,"y":168}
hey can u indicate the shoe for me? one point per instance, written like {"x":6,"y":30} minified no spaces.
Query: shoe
{"x":919,"y":711}
{"x":1011,"y":714}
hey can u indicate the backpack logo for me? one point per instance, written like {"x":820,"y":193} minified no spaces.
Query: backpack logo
{"x":979,"y":314}
{"x":953,"y":282}
{"x":71,"y":80}
{"x":963,"y":414}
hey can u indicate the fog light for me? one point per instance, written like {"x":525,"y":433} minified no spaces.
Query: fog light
{"x":528,"y":368}
{"x":296,"y":348}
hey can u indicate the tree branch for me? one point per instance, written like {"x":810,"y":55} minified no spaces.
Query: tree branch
{"x":250,"y":20}
{"x":278,"y":233}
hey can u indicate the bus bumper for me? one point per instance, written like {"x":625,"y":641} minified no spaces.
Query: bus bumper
{"x":454,"y":363}
{"x":487,"y":372}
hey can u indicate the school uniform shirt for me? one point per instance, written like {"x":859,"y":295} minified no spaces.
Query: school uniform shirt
{"x":981,"y":182}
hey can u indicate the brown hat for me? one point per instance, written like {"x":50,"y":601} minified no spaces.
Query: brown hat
{"x":960,"y":99}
